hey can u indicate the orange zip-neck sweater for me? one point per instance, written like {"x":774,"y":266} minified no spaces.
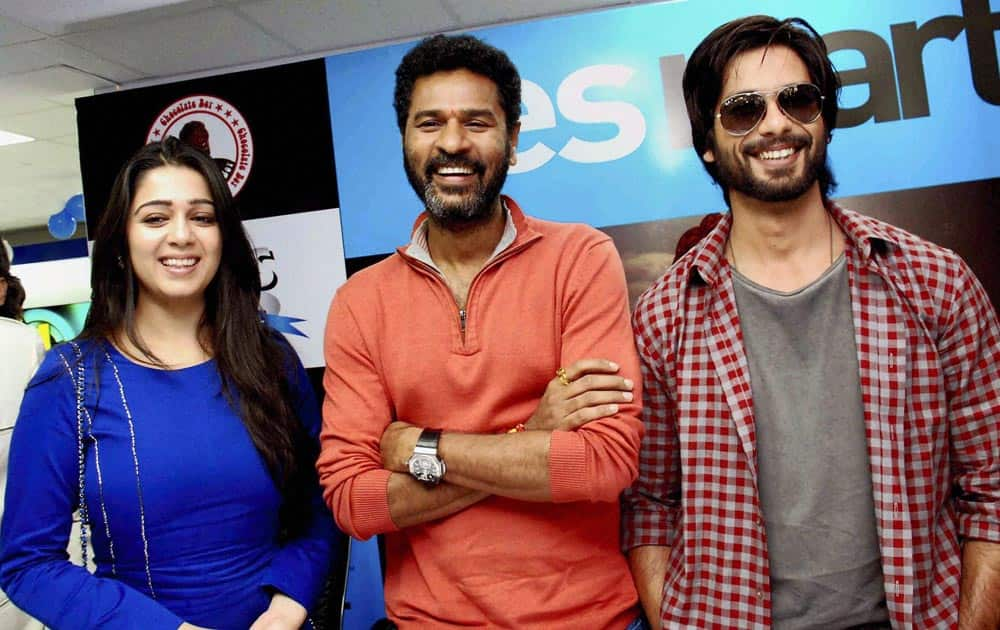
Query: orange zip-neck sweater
{"x":395,"y":349}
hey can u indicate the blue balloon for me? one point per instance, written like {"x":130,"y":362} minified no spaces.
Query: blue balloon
{"x":62,"y":225}
{"x":75,"y":208}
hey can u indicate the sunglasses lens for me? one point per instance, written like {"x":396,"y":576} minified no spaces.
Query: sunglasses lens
{"x":742,"y":112}
{"x":803,"y":102}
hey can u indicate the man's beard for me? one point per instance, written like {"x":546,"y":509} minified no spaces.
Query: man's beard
{"x":738,"y":175}
{"x":474,"y":207}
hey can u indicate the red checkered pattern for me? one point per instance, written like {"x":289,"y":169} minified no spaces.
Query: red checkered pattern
{"x":929,"y":359}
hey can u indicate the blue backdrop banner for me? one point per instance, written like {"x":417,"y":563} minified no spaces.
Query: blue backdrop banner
{"x":605,"y":137}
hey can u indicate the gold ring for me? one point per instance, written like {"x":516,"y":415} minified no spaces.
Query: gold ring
{"x":561,"y":375}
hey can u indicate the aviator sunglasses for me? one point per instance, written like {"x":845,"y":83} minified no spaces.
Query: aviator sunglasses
{"x":740,"y":113}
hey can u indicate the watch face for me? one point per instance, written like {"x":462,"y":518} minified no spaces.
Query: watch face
{"x":425,"y":468}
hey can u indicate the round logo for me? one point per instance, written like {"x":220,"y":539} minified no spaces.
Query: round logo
{"x":214,"y":126}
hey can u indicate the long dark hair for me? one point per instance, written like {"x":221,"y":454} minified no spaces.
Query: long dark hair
{"x":13,"y":299}
{"x":705,"y":74}
{"x":252,"y":360}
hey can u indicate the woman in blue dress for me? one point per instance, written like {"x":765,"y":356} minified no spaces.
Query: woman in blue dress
{"x":179,"y":424}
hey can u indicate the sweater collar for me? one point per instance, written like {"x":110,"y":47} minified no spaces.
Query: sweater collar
{"x":516,"y":231}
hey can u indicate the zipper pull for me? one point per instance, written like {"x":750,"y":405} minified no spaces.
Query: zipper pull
{"x":461,"y":319}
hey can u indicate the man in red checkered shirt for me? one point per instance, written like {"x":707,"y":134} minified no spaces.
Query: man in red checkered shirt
{"x":822,"y":390}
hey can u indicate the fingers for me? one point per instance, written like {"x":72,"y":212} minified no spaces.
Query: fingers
{"x":589,"y":366}
{"x":596,"y":398}
{"x":597,"y":382}
{"x":584,"y":391}
{"x":589,"y":398}
{"x":588,"y":414}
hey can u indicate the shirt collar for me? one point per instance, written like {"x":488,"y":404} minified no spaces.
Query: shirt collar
{"x":867,"y":236}
{"x":419,"y":250}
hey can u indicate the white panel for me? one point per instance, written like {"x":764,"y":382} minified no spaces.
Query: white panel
{"x":55,"y":282}
{"x":303,"y":255}
{"x":69,"y":140}
{"x":197,"y":41}
{"x":322,"y":25}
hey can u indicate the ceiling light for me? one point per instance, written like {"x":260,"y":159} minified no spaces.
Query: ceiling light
{"x":7,"y":137}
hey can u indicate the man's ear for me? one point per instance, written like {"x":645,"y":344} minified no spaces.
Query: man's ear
{"x":514,"y":135}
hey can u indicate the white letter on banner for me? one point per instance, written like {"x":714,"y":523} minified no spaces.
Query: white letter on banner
{"x":572,"y":105}
{"x":540,"y":115}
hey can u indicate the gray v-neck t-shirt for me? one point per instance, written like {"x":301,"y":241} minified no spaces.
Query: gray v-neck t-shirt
{"x":814,"y":475}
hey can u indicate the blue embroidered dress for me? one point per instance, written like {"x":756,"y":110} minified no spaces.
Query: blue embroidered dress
{"x":193,"y":497}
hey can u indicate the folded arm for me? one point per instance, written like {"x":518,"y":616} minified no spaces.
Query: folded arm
{"x":517,"y":464}
{"x":970,"y":356}
{"x":591,"y":456}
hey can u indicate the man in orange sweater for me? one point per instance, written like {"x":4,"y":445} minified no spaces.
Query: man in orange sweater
{"x":495,"y":483}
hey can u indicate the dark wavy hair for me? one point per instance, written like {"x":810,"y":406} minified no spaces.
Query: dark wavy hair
{"x":442,"y":53}
{"x":705,"y":74}
{"x":14,"y":297}
{"x":253,"y":361}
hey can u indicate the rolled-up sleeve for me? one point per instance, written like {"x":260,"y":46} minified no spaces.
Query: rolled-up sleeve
{"x":970,"y":357}
{"x":600,"y":459}
{"x":651,"y":507}
{"x":355,"y":414}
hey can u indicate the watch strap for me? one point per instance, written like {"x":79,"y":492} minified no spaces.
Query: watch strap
{"x":429,"y":439}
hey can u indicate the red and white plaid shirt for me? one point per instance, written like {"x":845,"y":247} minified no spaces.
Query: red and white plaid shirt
{"x":929,"y":358}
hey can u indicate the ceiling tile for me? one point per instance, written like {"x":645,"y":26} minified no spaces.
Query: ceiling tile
{"x":41,"y":155}
{"x":215,"y":38}
{"x":480,"y":12}
{"x":13,"y":33}
{"x":13,"y":101}
{"x":324,"y":25}
{"x":50,"y":82}
{"x":36,"y":55}
{"x":70,"y":97}
{"x":58,"y":17}
{"x":43,"y":125}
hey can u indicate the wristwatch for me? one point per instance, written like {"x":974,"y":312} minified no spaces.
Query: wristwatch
{"x":424,"y":464}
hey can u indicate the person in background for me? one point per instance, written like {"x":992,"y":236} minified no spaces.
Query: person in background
{"x":179,"y":423}
{"x":822,"y":388}
{"x":22,"y":352}
{"x":473,"y":413}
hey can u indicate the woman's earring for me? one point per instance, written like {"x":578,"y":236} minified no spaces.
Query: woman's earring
{"x":121,"y":263}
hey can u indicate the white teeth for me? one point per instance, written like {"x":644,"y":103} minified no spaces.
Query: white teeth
{"x":454,"y":170}
{"x":179,"y":262}
{"x":776,"y":155}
